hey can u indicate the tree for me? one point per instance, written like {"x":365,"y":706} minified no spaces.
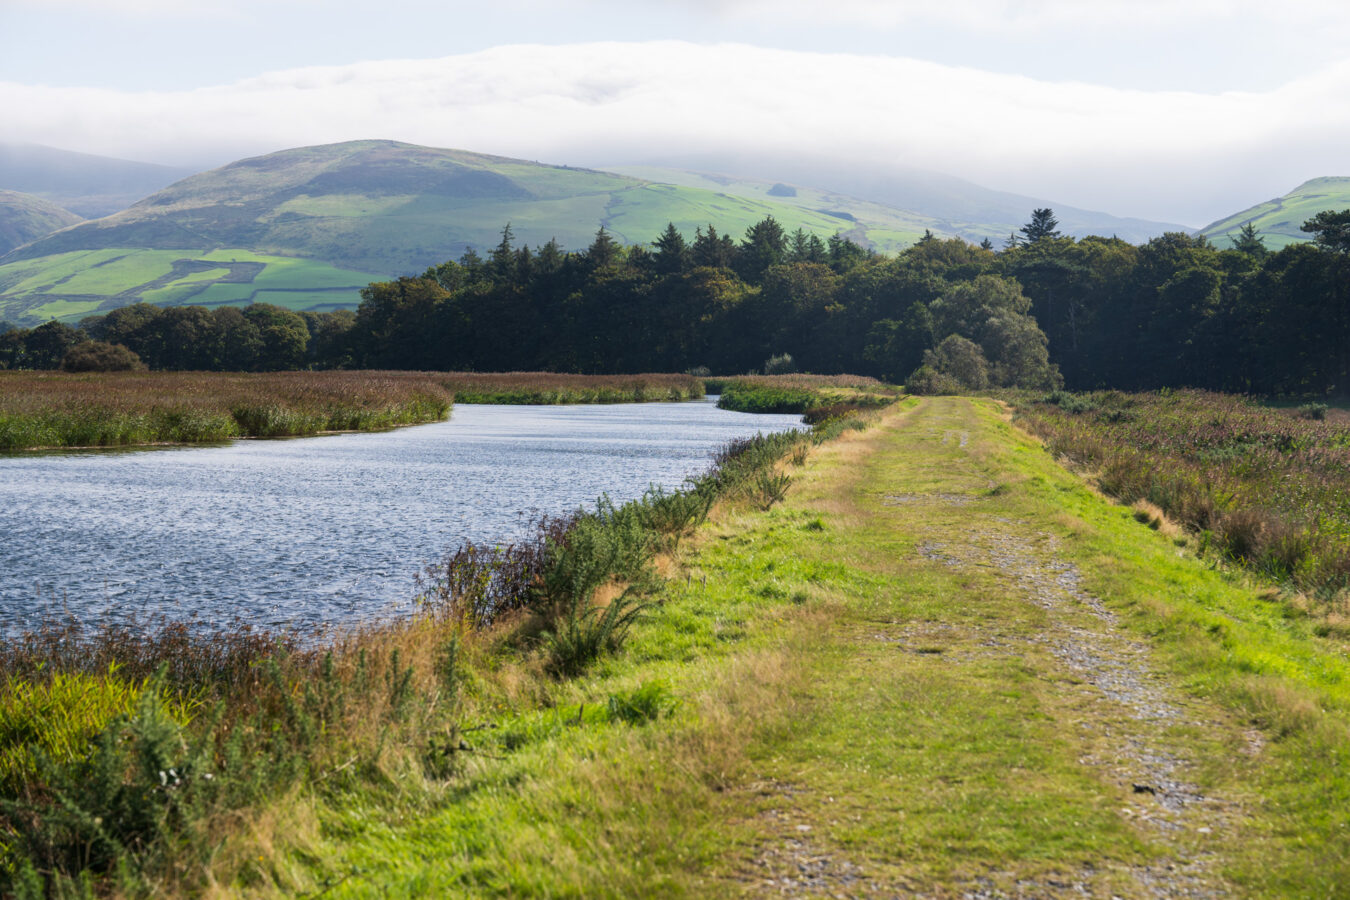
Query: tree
{"x":713,"y":250}
{"x":895,"y":346}
{"x":1043,"y":225}
{"x":284,"y":336}
{"x":956,"y":362}
{"x":672,"y":253}
{"x":100,"y":356}
{"x":1331,"y":230}
{"x":1249,"y":241}
{"x":604,"y":252}
{"x":765,"y":245}
{"x":502,"y":260}
{"x":47,"y":344}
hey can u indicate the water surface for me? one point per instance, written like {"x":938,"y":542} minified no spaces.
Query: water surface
{"x":320,"y":530}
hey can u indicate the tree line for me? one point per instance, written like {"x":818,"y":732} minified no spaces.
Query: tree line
{"x":1042,"y":310}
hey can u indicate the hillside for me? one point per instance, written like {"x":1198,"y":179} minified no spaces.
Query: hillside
{"x":85,"y":184}
{"x":946,"y":204}
{"x":1278,"y":220}
{"x":24,"y":218}
{"x":307,"y":228}
{"x":329,"y":219}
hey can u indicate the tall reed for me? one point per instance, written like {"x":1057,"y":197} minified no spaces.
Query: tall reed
{"x":50,"y":409}
{"x":1268,"y":488}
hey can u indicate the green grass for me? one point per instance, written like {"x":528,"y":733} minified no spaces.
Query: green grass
{"x":36,"y":275}
{"x":64,"y":309}
{"x":1278,"y":220}
{"x":875,"y":688}
{"x":899,"y":720}
{"x":72,"y":285}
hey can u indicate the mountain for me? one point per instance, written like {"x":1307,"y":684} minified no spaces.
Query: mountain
{"x":307,"y":228}
{"x":88,"y":185}
{"x":1278,"y":220}
{"x":953,"y":205}
{"x":25,"y":218}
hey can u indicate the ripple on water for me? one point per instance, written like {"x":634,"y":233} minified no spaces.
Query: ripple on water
{"x":320,"y":530}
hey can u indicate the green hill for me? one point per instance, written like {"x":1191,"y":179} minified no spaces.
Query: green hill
{"x":25,"y":218}
{"x":309,"y":227}
{"x":1278,"y":220}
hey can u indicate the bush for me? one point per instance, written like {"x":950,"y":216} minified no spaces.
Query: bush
{"x":782,"y":364}
{"x":1315,"y":411}
{"x":927,"y":381}
{"x":100,"y":356}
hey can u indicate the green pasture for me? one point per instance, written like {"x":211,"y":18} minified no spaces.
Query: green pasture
{"x":70,"y":286}
{"x":1278,"y":221}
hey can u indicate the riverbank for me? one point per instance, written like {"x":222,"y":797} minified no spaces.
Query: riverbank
{"x":94,"y":722}
{"x":942,"y":667}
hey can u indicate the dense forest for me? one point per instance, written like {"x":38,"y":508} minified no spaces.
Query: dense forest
{"x":1041,"y":310}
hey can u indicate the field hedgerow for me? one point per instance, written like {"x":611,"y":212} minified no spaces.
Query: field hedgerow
{"x":1268,"y":488}
{"x":50,"y":409}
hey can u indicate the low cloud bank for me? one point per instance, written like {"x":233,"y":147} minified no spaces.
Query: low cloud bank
{"x":1175,"y":156}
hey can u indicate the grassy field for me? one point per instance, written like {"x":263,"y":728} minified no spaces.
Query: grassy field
{"x":1278,"y":220}
{"x":58,"y":409}
{"x":70,"y":286}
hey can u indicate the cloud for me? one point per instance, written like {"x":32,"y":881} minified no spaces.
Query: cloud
{"x":1022,"y":15}
{"x":1172,"y":155}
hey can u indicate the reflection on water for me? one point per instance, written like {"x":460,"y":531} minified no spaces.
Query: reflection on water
{"x":327,"y":529}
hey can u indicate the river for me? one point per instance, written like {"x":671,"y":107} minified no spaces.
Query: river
{"x":325,"y":530}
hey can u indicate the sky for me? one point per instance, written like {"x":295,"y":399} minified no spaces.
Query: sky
{"x":1174,"y":110}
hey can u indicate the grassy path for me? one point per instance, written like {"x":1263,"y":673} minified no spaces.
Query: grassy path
{"x":943,"y":668}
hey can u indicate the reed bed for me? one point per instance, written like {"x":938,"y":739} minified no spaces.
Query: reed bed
{"x":1267,"y":488}
{"x":144,"y":761}
{"x":559,"y":388}
{"x":801,"y":393}
{"x":52,"y":409}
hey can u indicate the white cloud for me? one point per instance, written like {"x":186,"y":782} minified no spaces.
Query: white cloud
{"x":1173,"y":155}
{"x":1036,"y":14}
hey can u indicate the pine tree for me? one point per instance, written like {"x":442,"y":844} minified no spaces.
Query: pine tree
{"x":1043,"y":225}
{"x":672,"y":254}
{"x":1249,"y":241}
{"x":604,"y":252}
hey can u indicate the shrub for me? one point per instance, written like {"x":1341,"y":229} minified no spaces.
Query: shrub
{"x":1315,"y":411}
{"x":100,"y":356}
{"x":781,"y":364}
{"x":927,"y":381}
